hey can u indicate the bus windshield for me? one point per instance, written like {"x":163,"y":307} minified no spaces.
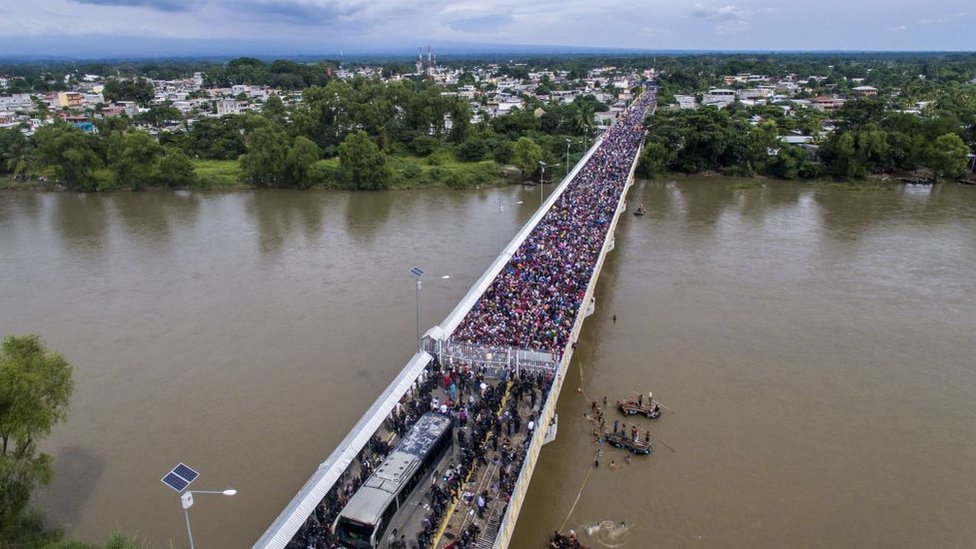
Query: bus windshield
{"x":354,"y":534}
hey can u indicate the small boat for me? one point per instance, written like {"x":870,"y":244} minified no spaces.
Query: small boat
{"x":637,"y":403}
{"x":640,"y":211}
{"x":621,"y":440}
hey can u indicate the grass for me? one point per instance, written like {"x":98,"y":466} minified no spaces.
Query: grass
{"x":441,"y":170}
{"x":218,"y":174}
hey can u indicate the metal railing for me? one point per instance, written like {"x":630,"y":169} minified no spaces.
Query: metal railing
{"x":498,"y":361}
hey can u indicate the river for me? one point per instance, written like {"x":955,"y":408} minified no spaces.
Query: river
{"x":815,"y":345}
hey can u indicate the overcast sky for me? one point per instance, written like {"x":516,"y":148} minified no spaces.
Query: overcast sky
{"x":84,"y":27}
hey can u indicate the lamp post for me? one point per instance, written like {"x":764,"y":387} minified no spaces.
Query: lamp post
{"x":498,"y":227}
{"x":187,"y":499}
{"x":417,"y":272}
{"x":542,"y":179}
{"x":567,"y":155}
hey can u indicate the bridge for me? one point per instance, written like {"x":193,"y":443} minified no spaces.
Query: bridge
{"x":506,"y":347}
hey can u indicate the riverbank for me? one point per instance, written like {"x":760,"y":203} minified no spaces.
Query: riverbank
{"x":870,"y":183}
{"x":407,"y":172}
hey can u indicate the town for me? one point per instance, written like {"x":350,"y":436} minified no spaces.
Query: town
{"x":457,"y":123}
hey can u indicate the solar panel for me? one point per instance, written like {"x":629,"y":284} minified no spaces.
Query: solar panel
{"x":417,"y":272}
{"x":184,"y":471}
{"x":180,"y":477}
{"x":175,"y":481}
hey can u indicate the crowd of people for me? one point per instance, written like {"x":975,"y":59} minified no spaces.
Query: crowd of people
{"x":485,"y":432}
{"x":533,"y":302}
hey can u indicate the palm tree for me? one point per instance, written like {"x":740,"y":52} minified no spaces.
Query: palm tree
{"x":583,"y":119}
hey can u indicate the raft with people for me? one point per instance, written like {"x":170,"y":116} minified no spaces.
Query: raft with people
{"x":638,"y":404}
{"x":640,"y":211}
{"x":633,"y":444}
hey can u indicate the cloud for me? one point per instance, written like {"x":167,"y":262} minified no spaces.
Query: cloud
{"x":161,"y":5}
{"x":295,"y":11}
{"x":729,"y":19}
{"x":656,"y":31}
{"x":723,"y":13}
{"x":480,"y":24}
{"x":898,"y":28}
{"x":941,"y":20}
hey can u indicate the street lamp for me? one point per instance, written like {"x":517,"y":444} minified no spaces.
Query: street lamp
{"x":417,"y":272}
{"x":567,"y":155}
{"x":498,"y":226}
{"x":187,"y":499}
{"x":179,"y":478}
{"x":542,"y":179}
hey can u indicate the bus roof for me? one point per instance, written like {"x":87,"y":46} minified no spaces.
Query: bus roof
{"x":423,"y":434}
{"x":369,"y":501}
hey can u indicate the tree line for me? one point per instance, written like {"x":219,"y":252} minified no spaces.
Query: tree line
{"x":868,"y":137}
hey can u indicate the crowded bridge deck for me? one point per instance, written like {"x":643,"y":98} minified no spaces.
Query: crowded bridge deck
{"x":495,"y":367}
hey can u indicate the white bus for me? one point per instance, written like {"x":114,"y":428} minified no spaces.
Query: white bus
{"x":364,"y":520}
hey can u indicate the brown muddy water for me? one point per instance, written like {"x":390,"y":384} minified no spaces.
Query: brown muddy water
{"x":816,"y":346}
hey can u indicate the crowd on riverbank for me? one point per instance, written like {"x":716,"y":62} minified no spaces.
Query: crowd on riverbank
{"x":532,"y":303}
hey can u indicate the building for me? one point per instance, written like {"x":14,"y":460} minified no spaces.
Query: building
{"x":827,"y":103}
{"x":228,"y":106}
{"x":686,"y":101}
{"x":16,"y":102}
{"x":865,"y":91}
{"x":718,"y":97}
{"x":70,"y":100}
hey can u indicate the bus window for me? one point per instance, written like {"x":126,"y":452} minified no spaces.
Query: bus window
{"x":354,"y":534}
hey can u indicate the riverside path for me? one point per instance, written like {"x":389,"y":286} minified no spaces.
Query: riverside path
{"x":495,"y":366}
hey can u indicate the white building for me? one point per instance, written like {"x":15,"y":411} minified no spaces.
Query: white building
{"x":686,"y":101}
{"x":228,"y":106}
{"x":718,"y":97}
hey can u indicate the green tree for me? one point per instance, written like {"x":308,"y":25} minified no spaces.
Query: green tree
{"x":583,"y":118}
{"x":174,"y":169}
{"x":216,"y":138}
{"x":363,"y":162}
{"x":760,"y":140}
{"x":840,"y":154}
{"x":134,"y":159}
{"x":946,"y":156}
{"x":654,"y":159}
{"x":160,"y":114}
{"x":301,"y":155}
{"x":139,"y":90}
{"x":526,"y":156}
{"x":460,"y":120}
{"x":266,"y":158}
{"x":69,"y":151}
{"x":14,"y":151}
{"x":35,"y":388}
{"x":274,"y":109}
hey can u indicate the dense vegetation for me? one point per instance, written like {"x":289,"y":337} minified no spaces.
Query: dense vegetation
{"x":421,"y":135}
{"x":870,"y":135}
{"x":289,"y":147}
{"x":868,"y":139}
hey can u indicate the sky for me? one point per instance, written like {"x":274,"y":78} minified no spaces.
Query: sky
{"x":125,"y":28}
